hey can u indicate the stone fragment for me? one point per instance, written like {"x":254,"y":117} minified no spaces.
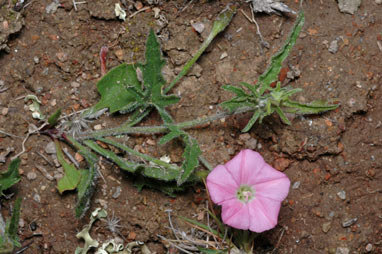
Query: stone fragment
{"x":31,"y":176}
{"x":342,"y":250}
{"x":326,"y":226}
{"x":333,"y":47}
{"x":349,"y":6}
{"x":341,"y":194}
{"x":348,"y":223}
{"x":50,"y":148}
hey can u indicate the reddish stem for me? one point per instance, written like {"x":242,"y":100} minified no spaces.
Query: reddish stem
{"x":102,"y":57}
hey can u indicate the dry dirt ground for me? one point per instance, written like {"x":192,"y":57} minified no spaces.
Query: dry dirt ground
{"x":333,"y":160}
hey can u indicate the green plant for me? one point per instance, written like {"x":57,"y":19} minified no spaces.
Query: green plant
{"x":139,"y":88}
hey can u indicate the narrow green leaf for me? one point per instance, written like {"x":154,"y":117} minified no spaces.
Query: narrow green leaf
{"x":237,"y":90}
{"x":88,"y":182}
{"x":158,"y":169}
{"x":201,"y":225}
{"x":252,"y":88}
{"x":166,"y":100}
{"x":166,"y":117}
{"x":271,"y":74}
{"x":220,"y":23}
{"x":152,"y":69}
{"x":282,"y":115}
{"x":72,"y":176}
{"x":314,"y":107}
{"x":191,"y":161}
{"x":11,"y":176}
{"x":168,"y":137}
{"x":52,"y":120}
{"x":122,"y":163}
{"x":252,"y":121}
{"x":113,"y":88}
{"x":13,"y":225}
{"x":169,"y":188}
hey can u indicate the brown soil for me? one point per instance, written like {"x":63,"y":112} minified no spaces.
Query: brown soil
{"x":324,"y":156}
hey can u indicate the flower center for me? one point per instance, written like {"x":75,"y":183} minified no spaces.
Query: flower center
{"x":245,"y":193}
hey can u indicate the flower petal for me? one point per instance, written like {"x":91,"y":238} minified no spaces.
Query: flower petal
{"x":235,"y":214}
{"x":266,"y":174}
{"x":252,"y":165}
{"x":263,"y":213}
{"x":221,"y":185}
{"x":276,"y":189}
{"x":245,"y":164}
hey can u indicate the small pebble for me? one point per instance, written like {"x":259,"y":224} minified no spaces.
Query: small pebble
{"x":97,"y":127}
{"x":342,"y":250}
{"x":33,"y":226}
{"x":75,"y":84}
{"x":37,"y":198}
{"x":378,"y":1}
{"x":36,"y":59}
{"x":21,"y":223}
{"x":117,"y":192}
{"x":244,"y":137}
{"x":251,"y":143}
{"x":4,"y":111}
{"x":296,"y":185}
{"x":333,"y":47}
{"x":341,"y":194}
{"x":31,"y":176}
{"x":348,"y":223}
{"x":326,"y":226}
{"x":50,"y":148}
{"x":199,"y":27}
{"x":223,"y":55}
{"x":369,"y":247}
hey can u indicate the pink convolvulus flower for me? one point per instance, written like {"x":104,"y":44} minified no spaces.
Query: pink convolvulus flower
{"x":249,"y":190}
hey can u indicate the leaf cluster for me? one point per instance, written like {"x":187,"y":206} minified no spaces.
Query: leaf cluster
{"x":265,"y":100}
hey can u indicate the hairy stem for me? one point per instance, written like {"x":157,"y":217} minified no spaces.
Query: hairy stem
{"x":123,"y":130}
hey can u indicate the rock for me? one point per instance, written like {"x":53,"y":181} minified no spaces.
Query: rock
{"x":50,"y":148}
{"x":349,"y":6}
{"x":37,"y":198}
{"x":369,"y":246}
{"x":75,"y":84}
{"x":378,"y":1}
{"x":326,"y":226}
{"x":251,"y":143}
{"x":296,"y":185}
{"x":198,"y":26}
{"x":342,"y":250}
{"x":281,"y":164}
{"x":333,"y":47}
{"x":244,"y":137}
{"x":117,"y":192}
{"x":31,"y":175}
{"x":341,"y":194}
{"x":348,"y":223}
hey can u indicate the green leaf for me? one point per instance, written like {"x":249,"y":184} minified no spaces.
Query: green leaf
{"x":11,"y":176}
{"x":88,"y":183}
{"x":175,"y":132}
{"x":314,"y":107}
{"x":191,"y":161}
{"x":271,"y":74}
{"x":72,"y":176}
{"x":122,"y":163}
{"x":12,"y":226}
{"x":152,"y":69}
{"x":282,"y":115}
{"x":169,"y":188}
{"x":237,"y":90}
{"x":114,"y":91}
{"x":52,"y":120}
{"x":158,"y":169}
{"x":252,"y":121}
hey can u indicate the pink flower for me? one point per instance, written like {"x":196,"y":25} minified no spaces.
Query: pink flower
{"x":249,"y":190}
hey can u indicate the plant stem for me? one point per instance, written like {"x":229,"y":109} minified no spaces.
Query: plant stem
{"x":220,"y":23}
{"x":121,"y":130}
